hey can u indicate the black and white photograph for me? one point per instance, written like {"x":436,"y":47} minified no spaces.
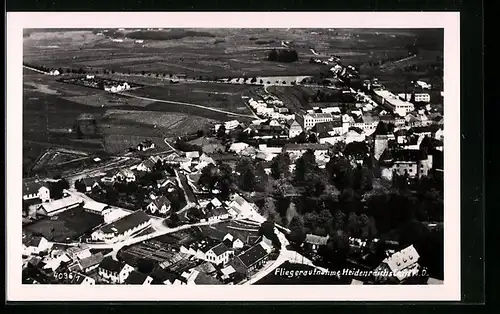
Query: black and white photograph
{"x":165,"y":156}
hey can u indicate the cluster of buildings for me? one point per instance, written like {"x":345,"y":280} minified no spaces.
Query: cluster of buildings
{"x":99,"y":83}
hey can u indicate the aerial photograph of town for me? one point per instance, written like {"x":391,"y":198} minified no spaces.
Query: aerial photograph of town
{"x":210,"y":156}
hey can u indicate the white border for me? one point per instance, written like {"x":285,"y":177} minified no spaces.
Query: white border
{"x":450,"y":290}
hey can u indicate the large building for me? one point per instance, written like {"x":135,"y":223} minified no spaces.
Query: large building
{"x":122,"y":228}
{"x":417,"y":97}
{"x":309,"y":120}
{"x":393,"y":102}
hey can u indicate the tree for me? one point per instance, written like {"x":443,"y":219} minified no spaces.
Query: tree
{"x":269,"y":210}
{"x":80,"y":186}
{"x":221,"y":132}
{"x":267,"y":229}
{"x":297,"y":230}
{"x":353,"y":225}
{"x":283,"y":188}
{"x":145,"y":266}
{"x":312,"y":138}
{"x":248,"y":180}
{"x":304,"y":166}
{"x":280,"y":166}
{"x":291,"y":213}
{"x":338,"y":220}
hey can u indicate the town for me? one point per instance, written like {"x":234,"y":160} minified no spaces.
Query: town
{"x":346,"y":186}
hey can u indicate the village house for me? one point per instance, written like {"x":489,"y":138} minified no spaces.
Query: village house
{"x":161,"y":205}
{"x":37,"y":189}
{"x":293,"y":128}
{"x":59,"y":206}
{"x":331,"y":127}
{"x":35,"y":244}
{"x":239,"y":207}
{"x":250,"y":260}
{"x":54,"y":72}
{"x":78,"y":252}
{"x":146,"y":166}
{"x":214,"y":213}
{"x":232,"y":242}
{"x":297,"y":150}
{"x":124,"y":175}
{"x":145,"y":145}
{"x":96,"y":208}
{"x":314,"y":242}
{"x":237,"y":148}
{"x":87,"y":264}
{"x":414,"y":163}
{"x":122,"y":228}
{"x":402,"y":265}
{"x":87,"y":184}
{"x":114,"y":271}
{"x":354,"y":135}
{"x":209,"y":250}
{"x":137,"y":278}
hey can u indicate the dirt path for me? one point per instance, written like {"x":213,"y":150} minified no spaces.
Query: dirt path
{"x":188,"y":104}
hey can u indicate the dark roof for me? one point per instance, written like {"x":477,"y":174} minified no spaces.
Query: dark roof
{"x":204,"y":279}
{"x":160,"y":201}
{"x":252,"y":255}
{"x":126,"y":223}
{"x":32,"y":187}
{"x":425,"y":129}
{"x":160,"y":275}
{"x":305,"y":146}
{"x":32,"y":241}
{"x":326,"y":126}
{"x":220,"y":249}
{"x":135,"y":278}
{"x":111,"y":265}
{"x":409,"y":155}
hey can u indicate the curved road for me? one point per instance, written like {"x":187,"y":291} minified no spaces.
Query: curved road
{"x":188,"y":104}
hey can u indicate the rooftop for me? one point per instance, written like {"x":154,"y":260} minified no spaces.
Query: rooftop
{"x":317,"y":240}
{"x":61,"y":203}
{"x":126,"y":223}
{"x":135,"y":278}
{"x":305,"y":146}
{"x":252,"y":255}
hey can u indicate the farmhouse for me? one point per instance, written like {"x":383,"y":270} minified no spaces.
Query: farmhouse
{"x":146,"y":166}
{"x":113,"y":271}
{"x":60,"y":205}
{"x":160,"y":205}
{"x":209,"y":250}
{"x":122,"y":228}
{"x":37,"y":189}
{"x":232,"y":242}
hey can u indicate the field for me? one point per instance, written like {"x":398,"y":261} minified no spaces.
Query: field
{"x":67,"y":226}
{"x":226,"y":97}
{"x":220,"y":52}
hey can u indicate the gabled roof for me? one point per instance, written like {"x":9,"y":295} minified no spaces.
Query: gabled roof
{"x":136,"y":278}
{"x":33,"y":241}
{"x":160,"y":201}
{"x":252,"y":255}
{"x":220,"y":249}
{"x":33,"y":187}
{"x":126,"y":223}
{"x":402,"y":259}
{"x":64,"y":202}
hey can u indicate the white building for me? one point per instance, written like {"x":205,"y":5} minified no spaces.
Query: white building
{"x":60,"y":205}
{"x":113,"y":271}
{"x":419,"y":97}
{"x":309,"y":120}
{"x":35,"y":245}
{"x":122,"y":228}
{"x":34,"y":190}
{"x":393,"y":102}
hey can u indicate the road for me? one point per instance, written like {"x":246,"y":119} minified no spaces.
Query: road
{"x":163,"y":231}
{"x":33,"y":69}
{"x":188,"y":104}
